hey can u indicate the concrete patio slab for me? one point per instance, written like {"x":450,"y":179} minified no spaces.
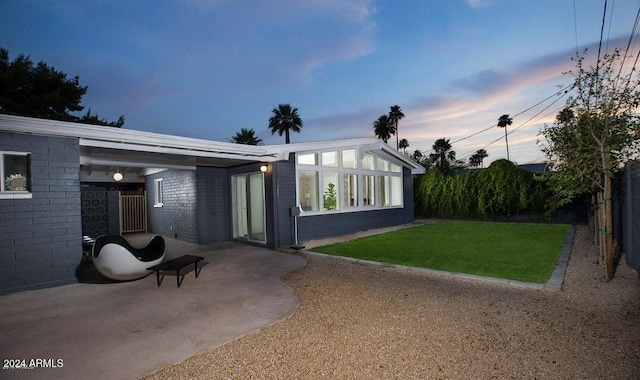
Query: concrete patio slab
{"x":127,"y":330}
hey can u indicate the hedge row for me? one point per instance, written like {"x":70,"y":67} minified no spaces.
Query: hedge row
{"x":502,"y":189}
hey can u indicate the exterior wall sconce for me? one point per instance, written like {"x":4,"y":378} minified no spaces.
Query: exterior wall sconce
{"x":263,"y":168}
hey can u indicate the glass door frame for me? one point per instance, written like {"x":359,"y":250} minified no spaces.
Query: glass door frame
{"x":244,"y":214}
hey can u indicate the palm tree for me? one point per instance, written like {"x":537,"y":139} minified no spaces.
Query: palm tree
{"x":283,"y":119}
{"x":503,"y":122}
{"x":247,"y":137}
{"x":420,"y":158}
{"x":404,"y":144}
{"x":395,"y":114}
{"x":443,"y":157}
{"x":474,"y":161}
{"x":477,"y":158}
{"x":383,"y":128}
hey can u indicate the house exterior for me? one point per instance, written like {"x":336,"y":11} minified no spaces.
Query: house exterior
{"x":196,"y":190}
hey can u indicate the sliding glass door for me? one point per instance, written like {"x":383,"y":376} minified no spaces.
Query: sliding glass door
{"x":249,"y":208}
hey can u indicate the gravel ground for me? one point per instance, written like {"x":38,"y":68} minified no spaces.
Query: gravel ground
{"x":357,"y":321}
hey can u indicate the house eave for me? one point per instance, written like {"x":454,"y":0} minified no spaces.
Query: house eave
{"x":124,"y":139}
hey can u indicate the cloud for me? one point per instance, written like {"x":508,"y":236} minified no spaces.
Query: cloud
{"x":483,"y":81}
{"x":468,"y":105}
{"x":479,"y":3}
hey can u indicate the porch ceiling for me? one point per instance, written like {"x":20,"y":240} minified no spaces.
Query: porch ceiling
{"x":99,"y":164}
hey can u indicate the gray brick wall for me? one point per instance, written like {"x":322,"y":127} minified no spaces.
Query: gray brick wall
{"x":40,"y":238}
{"x":283,"y":197}
{"x":214,"y":205}
{"x":177,"y":217}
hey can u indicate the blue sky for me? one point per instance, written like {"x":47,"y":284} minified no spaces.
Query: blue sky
{"x":206,"y":68}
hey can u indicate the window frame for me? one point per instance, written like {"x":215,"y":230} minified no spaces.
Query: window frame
{"x":382,"y":167}
{"x":158,"y":192}
{"x":15,"y":194}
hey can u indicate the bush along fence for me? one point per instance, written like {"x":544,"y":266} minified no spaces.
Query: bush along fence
{"x":500,"y":191}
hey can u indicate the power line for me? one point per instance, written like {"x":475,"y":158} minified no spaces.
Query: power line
{"x":613,"y":5}
{"x":628,"y":50}
{"x":565,"y":89}
{"x":541,"y":111}
{"x":575,"y":24}
{"x":604,"y":16}
{"x":525,"y":123}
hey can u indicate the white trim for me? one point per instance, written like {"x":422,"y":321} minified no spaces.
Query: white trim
{"x":127,"y":139}
{"x":112,"y":138}
{"x":158,"y":192}
{"x":364,"y":145}
{"x":15,"y":195}
{"x":377,"y":173}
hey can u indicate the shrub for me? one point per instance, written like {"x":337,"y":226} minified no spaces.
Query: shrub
{"x":502,"y":189}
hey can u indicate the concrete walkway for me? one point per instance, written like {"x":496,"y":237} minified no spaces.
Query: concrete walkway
{"x":126,"y":330}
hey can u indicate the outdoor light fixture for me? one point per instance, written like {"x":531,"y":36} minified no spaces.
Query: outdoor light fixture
{"x":263,"y":168}
{"x":117,"y":176}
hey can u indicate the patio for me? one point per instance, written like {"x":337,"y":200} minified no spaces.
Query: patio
{"x":104,"y":329}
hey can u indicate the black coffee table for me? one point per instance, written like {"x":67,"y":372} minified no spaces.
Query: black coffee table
{"x":176,"y":264}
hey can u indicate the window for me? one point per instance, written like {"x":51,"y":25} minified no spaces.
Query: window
{"x":383,"y":165}
{"x":308,"y":190}
{"x":15,"y":170}
{"x":158,"y":193}
{"x":350,"y":159}
{"x":368,"y":190}
{"x":330,"y":159}
{"x":351,"y":190}
{"x":330,"y":193}
{"x":368,"y":162}
{"x":384,"y":193}
{"x":308,"y":159}
{"x":338,"y":181}
{"x":389,"y":191}
{"x":396,"y":191}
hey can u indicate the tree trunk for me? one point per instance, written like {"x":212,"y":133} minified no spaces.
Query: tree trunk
{"x":608,"y":230}
{"x":506,"y":140}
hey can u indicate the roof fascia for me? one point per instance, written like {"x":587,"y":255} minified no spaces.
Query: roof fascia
{"x":178,"y":151}
{"x":145,"y":141}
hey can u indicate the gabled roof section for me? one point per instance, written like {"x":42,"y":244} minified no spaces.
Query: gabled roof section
{"x":364,"y":145}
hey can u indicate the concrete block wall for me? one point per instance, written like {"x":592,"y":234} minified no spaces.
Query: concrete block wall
{"x":177,"y":218}
{"x":283,"y":197}
{"x":40,"y":237}
{"x":214,"y":205}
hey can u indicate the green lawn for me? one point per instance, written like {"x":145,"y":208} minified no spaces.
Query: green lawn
{"x":523,"y":252}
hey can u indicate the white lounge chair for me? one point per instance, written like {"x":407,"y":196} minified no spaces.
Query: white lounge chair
{"x":116,"y":259}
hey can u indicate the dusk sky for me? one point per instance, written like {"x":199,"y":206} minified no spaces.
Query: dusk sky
{"x":206,"y":68}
